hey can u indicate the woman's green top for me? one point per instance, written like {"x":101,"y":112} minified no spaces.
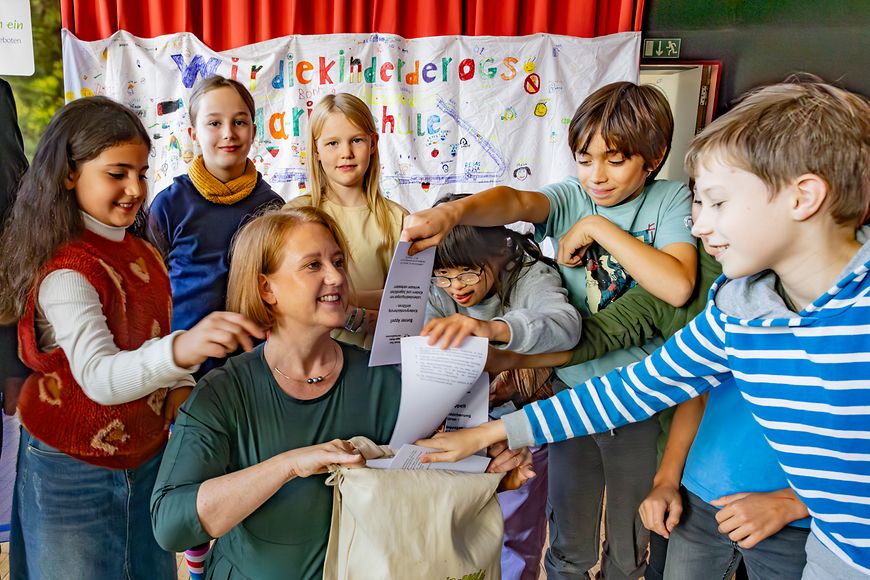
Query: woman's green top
{"x":238,"y":416}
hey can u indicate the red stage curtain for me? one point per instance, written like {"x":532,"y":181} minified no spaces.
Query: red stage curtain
{"x":224,"y":24}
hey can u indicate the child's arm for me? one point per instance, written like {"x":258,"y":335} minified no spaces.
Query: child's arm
{"x":110,"y":376}
{"x":446,"y":325}
{"x":668,"y":273}
{"x":540,"y":318}
{"x":452,"y":330}
{"x":630,"y":321}
{"x":661,"y":510}
{"x":748,"y":518}
{"x":491,"y":207}
{"x":625,"y":395}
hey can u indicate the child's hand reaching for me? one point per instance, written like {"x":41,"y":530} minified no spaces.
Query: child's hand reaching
{"x":428,"y":227}
{"x":498,"y":360}
{"x":516,"y":464}
{"x":460,"y":444}
{"x":573,"y":245}
{"x":452,"y":330}
{"x":215,"y":336}
{"x":174,"y":399}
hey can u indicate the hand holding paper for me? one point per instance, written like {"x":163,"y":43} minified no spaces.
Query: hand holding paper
{"x":460,"y":444}
{"x":451,"y":331}
{"x":433,"y":382}
{"x":428,"y":227}
{"x":403,"y":304}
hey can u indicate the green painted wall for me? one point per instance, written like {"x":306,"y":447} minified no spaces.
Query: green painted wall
{"x":761,"y":41}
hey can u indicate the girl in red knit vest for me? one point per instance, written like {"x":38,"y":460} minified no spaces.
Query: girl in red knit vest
{"x":92,"y":302}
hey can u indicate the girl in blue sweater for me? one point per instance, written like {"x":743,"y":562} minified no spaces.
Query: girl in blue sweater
{"x":193,"y":221}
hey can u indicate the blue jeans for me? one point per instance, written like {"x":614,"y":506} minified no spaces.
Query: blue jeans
{"x":71,"y":519}
{"x":697,"y":550}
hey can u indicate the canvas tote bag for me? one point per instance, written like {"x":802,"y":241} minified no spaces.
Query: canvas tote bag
{"x":412,"y":524}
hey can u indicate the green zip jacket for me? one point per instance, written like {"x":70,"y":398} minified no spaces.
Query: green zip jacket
{"x":638,"y":316}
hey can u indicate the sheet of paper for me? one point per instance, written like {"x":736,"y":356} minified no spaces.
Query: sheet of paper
{"x":379,"y":463}
{"x":408,"y":457}
{"x":433,"y":382}
{"x":473,"y":409}
{"x":403,"y":304}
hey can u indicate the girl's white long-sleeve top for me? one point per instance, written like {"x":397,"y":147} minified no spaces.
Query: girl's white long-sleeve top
{"x":69,"y":316}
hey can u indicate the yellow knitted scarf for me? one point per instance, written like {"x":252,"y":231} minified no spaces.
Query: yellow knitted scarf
{"x":211,"y":188}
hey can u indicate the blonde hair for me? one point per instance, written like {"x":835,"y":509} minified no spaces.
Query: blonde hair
{"x":258,"y":248}
{"x":783,"y":131}
{"x":358,"y":113}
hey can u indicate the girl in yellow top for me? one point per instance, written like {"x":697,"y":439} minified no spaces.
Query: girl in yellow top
{"x":344,"y":180}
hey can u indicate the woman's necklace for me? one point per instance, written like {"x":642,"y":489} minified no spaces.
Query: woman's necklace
{"x":310,"y":380}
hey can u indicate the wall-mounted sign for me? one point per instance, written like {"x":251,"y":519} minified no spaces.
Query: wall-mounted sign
{"x":661,"y":48}
{"x":16,"y":38}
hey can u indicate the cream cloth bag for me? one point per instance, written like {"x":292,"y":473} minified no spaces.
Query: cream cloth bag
{"x":412,"y":524}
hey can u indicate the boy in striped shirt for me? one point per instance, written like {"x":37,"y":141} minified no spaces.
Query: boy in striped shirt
{"x":783,"y":183}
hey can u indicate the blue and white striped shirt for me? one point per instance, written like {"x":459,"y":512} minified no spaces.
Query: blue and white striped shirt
{"x":806,"y":378}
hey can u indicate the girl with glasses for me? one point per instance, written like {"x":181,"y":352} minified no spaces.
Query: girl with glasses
{"x":494,"y":282}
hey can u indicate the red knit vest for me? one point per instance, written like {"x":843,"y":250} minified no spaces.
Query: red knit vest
{"x":133,"y":286}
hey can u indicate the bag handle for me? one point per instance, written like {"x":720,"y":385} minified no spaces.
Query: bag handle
{"x":367,"y":448}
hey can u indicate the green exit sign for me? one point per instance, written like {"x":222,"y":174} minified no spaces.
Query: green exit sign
{"x":661,"y":48}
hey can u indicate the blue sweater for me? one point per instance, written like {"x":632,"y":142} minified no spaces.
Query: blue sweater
{"x":805,"y":376}
{"x":729,"y":454}
{"x":195,"y":236}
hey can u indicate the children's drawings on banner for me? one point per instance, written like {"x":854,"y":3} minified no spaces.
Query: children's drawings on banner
{"x":454,"y":114}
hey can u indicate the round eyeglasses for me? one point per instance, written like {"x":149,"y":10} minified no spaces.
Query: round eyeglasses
{"x":467,"y":278}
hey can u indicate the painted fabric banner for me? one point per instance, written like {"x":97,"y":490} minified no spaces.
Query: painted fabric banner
{"x":455,"y":114}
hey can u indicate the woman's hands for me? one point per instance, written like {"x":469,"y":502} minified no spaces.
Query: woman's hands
{"x":215,"y":336}
{"x":451,"y":331}
{"x":316,"y":459}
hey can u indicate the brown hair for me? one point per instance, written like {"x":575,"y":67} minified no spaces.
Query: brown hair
{"x":218,"y":82}
{"x":358,"y":113}
{"x":79,"y":132}
{"x":258,"y":248}
{"x":800,"y":126}
{"x":632,"y":119}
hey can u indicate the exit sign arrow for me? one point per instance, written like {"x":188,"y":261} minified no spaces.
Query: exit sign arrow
{"x":661,"y":48}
